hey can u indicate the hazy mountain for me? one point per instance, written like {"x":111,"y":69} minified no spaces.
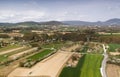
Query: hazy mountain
{"x":52,"y":23}
{"x":114,"y":21}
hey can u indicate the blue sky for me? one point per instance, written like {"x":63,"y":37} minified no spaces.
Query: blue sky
{"x":61,"y":10}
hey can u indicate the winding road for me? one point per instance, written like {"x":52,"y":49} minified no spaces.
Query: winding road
{"x":103,"y":67}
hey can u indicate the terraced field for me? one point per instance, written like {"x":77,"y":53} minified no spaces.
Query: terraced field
{"x":40,"y":55}
{"x":88,"y":66}
{"x":4,"y":57}
{"x":9,"y":47}
{"x":26,"y":52}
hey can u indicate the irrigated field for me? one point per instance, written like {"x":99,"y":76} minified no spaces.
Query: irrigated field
{"x":88,"y":66}
{"x":40,"y":55}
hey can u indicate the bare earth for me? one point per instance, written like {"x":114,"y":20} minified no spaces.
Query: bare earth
{"x":114,"y":53}
{"x":113,"y":70}
{"x":50,"y":67}
{"x":4,"y":52}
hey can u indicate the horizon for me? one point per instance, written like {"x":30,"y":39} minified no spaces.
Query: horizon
{"x":13,"y":11}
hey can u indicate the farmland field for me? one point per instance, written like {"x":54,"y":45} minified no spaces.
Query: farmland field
{"x":112,"y":47}
{"x":40,"y":55}
{"x":88,"y":66}
{"x":4,"y":57}
{"x":53,"y":45}
{"x":9,"y":47}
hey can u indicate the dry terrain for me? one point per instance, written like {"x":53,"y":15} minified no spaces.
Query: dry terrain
{"x":113,"y":70}
{"x":114,"y":53}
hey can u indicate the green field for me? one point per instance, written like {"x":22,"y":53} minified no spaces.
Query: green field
{"x":40,"y":55}
{"x":5,"y":56}
{"x":112,"y":47}
{"x":9,"y":47}
{"x":88,"y":66}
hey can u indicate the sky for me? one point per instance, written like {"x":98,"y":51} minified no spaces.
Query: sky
{"x":59,"y":10}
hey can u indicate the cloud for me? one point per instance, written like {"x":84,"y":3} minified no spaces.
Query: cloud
{"x":18,"y":16}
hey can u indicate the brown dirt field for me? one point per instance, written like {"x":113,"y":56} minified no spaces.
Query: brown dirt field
{"x":113,"y":70}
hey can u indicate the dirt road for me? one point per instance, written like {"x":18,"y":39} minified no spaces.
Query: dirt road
{"x":103,"y":66}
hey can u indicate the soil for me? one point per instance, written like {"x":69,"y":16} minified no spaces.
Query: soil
{"x":113,"y":70}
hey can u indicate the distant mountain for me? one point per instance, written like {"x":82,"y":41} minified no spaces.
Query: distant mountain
{"x":77,"y":22}
{"x":114,"y":21}
{"x":52,"y":23}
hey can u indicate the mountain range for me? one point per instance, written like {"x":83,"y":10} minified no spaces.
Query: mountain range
{"x":114,"y":21}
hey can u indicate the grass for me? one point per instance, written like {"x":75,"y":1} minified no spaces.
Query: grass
{"x":9,"y":47}
{"x":88,"y":66}
{"x":91,"y":66}
{"x":40,"y":55}
{"x":112,"y":47}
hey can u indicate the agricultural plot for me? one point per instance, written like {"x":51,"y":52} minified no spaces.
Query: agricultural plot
{"x":50,"y":67}
{"x":4,"y":57}
{"x":88,"y":66}
{"x":9,"y":47}
{"x":112,"y":47}
{"x":18,"y":55}
{"x":40,"y":55}
{"x":53,"y":45}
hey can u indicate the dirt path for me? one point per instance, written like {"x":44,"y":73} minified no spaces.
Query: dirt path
{"x":113,"y":70}
{"x":12,"y":50}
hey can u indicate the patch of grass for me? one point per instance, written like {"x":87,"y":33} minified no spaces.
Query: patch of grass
{"x":88,"y":66}
{"x":40,"y":55}
{"x":91,"y":66}
{"x":3,"y":58}
{"x":112,"y":47}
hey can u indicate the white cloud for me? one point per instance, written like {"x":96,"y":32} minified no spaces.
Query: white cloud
{"x":18,"y":16}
